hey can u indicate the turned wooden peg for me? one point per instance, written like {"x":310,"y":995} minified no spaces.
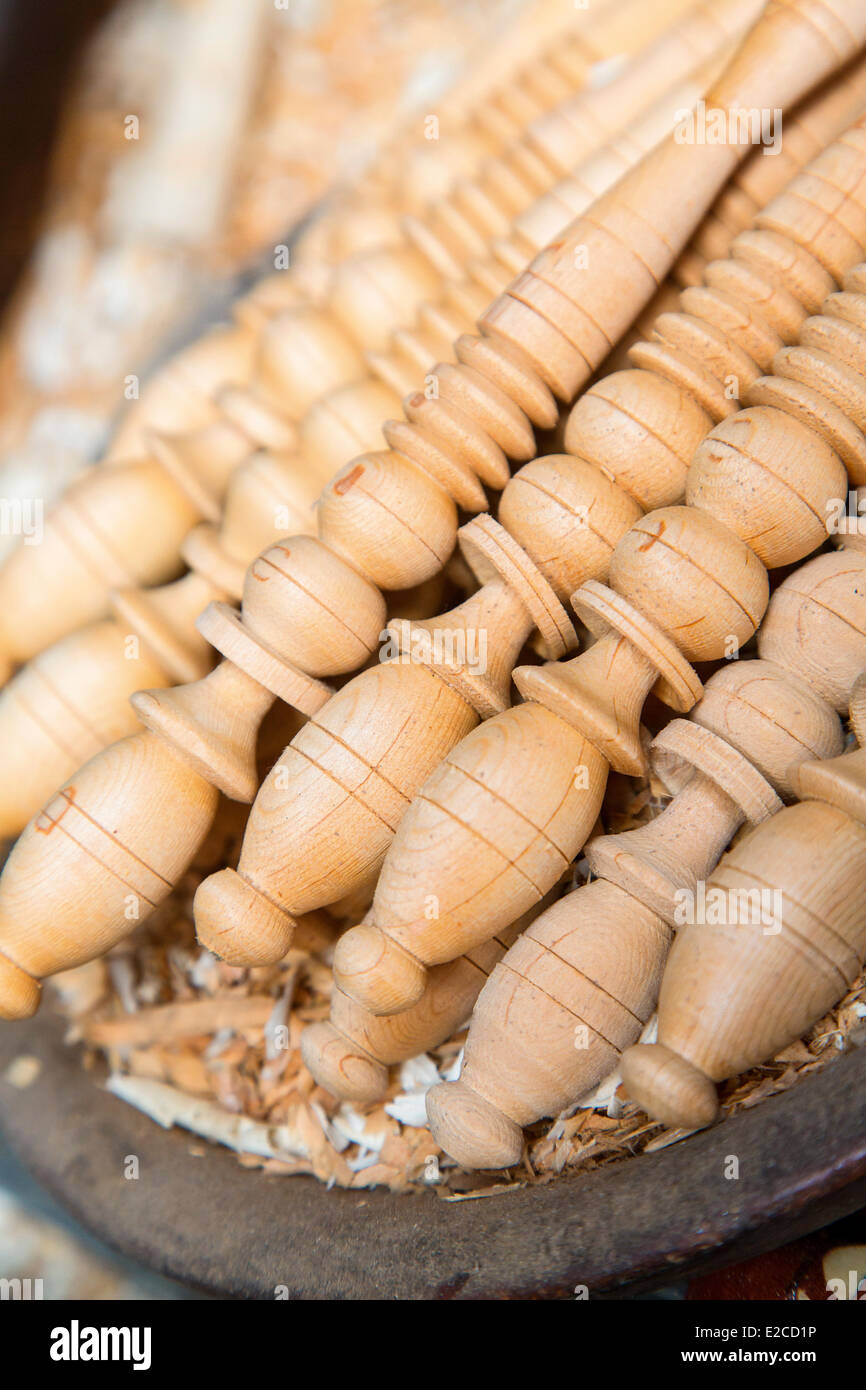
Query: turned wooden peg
{"x":376,"y":288}
{"x":815,"y":626}
{"x":795,"y":477}
{"x":255,"y":421}
{"x":602,"y":691}
{"x":779,"y":938}
{"x":818,"y":380}
{"x":698,"y":40}
{"x":782,"y":932}
{"x":145,"y":515}
{"x":271,"y":494}
{"x":288,"y":587}
{"x":643,"y":425}
{"x":568,"y":517}
{"x":117,"y":526}
{"x":739,"y":310}
{"x":163,"y":620}
{"x":201,"y":462}
{"x":577,"y":987}
{"x":73,"y":698}
{"x":773,"y":716}
{"x":350,"y":1053}
{"x":551,"y":1021}
{"x":641,"y":431}
{"x":325,"y":814}
{"x":370,"y":293}
{"x":662,"y":597}
{"x":663,"y":414}
{"x":343,"y":423}
{"x":460,"y":226}
{"x":281,"y":863}
{"x":147,"y":504}
{"x":213,"y":723}
{"x":269,"y":297}
{"x":783,"y":936}
{"x":564,"y":319}
{"x":478,"y":642}
{"x":808,"y":129}
{"x":147,"y":507}
{"x":695,"y":579}
{"x":60,"y":710}
{"x":302,"y":355}
{"x":118,"y":836}
{"x":509,"y":808}
{"x":486,"y":837}
{"x":178,"y":400}
{"x":840,"y":781}
{"x":716,"y":788}
{"x":96,"y":862}
{"x":409,"y":177}
{"x":384,"y":523}
{"x":138,"y":811}
{"x":780,"y":710}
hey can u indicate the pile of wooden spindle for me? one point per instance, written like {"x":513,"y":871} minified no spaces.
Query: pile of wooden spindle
{"x":537,"y":568}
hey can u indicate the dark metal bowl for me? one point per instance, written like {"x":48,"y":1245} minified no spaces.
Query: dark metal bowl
{"x":622,"y":1229}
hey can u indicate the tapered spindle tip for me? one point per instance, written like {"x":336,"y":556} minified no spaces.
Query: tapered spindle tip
{"x":669,"y":1088}
{"x":471,"y":1130}
{"x":19,"y":992}
{"x":343,"y":1069}
{"x":241,"y":926}
{"x":376,"y":972}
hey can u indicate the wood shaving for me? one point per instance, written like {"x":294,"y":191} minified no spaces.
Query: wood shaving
{"x":168,"y":1022}
{"x":22,"y":1071}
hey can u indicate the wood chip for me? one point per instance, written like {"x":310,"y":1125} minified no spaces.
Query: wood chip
{"x":171,"y":1021}
{"x":22,"y":1071}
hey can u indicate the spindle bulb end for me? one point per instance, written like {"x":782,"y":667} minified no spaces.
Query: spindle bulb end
{"x":19,"y":992}
{"x":471,"y":1130}
{"x":376,"y":972}
{"x":341,"y":1067}
{"x":238,"y":923}
{"x":668,"y":1087}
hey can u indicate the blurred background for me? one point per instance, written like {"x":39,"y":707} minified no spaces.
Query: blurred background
{"x":157,"y":151}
